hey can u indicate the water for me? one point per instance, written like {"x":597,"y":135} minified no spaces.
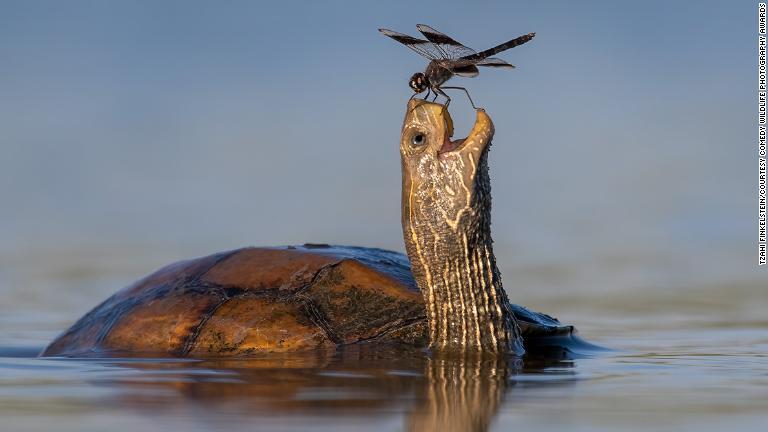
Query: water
{"x":679,"y":359}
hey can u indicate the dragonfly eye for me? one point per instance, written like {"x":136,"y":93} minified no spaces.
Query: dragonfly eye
{"x":418,"y":82}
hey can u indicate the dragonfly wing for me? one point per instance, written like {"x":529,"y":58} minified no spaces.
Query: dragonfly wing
{"x":449,"y":47}
{"x":494,"y":62}
{"x":422,"y":47}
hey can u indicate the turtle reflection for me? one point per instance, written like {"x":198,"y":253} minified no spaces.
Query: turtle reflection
{"x":435,"y":393}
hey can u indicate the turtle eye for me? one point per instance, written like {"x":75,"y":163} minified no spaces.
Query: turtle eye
{"x":419,"y":139}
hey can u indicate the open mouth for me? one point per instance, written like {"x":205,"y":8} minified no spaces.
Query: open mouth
{"x":449,"y":145}
{"x":480,"y":135}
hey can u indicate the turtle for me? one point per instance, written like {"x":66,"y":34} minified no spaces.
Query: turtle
{"x":445,"y":295}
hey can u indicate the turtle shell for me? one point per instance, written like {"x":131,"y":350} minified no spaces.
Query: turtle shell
{"x":257,"y":300}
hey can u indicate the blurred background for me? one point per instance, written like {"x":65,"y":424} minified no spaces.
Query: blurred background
{"x":134,"y":134}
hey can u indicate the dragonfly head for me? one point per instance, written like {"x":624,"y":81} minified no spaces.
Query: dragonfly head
{"x":419,"y":82}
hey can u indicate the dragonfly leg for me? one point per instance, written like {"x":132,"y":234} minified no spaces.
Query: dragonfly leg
{"x":438,"y":90}
{"x":465,"y":91}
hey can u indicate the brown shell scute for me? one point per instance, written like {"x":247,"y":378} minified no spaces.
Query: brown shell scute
{"x":164,"y":324}
{"x":253,"y":269}
{"x":243,"y":325}
{"x":361,"y":304}
{"x":87,"y":335}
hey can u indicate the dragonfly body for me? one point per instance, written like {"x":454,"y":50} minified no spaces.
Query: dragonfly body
{"x":437,"y":73}
{"x":448,"y":57}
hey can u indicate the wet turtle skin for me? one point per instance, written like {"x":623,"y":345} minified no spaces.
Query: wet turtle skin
{"x":258,"y":300}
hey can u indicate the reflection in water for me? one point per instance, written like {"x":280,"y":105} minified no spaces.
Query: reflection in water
{"x":438,"y":393}
{"x":464,"y":393}
{"x":461,"y":394}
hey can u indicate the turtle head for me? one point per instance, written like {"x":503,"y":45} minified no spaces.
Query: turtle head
{"x":445,"y":182}
{"x":419,"y":82}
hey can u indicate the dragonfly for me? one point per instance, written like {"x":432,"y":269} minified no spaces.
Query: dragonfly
{"x":447,"y":57}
